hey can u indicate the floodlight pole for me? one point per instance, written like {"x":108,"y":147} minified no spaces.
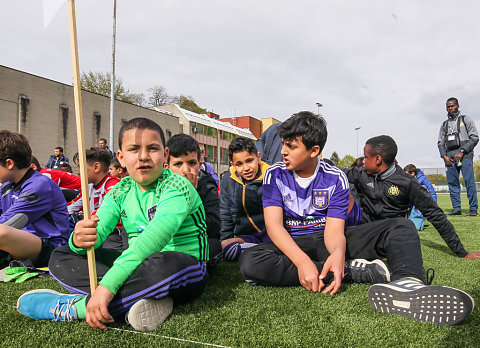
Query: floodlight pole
{"x":319,"y":105}
{"x":357,"y":129}
{"x":112,"y":90}
{"x":92,"y":270}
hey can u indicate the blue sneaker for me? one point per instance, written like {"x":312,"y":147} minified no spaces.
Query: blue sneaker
{"x":48,"y":304}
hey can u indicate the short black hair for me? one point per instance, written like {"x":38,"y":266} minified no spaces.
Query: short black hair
{"x":34,"y":160}
{"x":96,"y":154}
{"x":410,"y":168}
{"x":241,"y":144}
{"x":59,"y":148}
{"x":358,"y":162}
{"x":15,"y":146}
{"x":140,"y":123}
{"x":452,"y":99}
{"x":66,"y":166}
{"x":384,"y":146}
{"x":116,"y":163}
{"x":182,"y":144}
{"x":311,"y":128}
{"x":102,"y":139}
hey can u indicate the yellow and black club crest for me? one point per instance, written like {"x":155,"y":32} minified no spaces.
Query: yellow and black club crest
{"x":393,"y":190}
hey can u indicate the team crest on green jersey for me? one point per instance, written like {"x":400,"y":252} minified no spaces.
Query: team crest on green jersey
{"x":151,"y":212}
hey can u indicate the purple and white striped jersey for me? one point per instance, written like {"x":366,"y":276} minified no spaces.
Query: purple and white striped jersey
{"x":305,"y":210}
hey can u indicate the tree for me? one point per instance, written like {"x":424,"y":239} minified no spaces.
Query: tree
{"x":335,"y":158}
{"x":187,"y":102}
{"x":159,"y":96}
{"x":346,"y":161}
{"x":101,"y":83}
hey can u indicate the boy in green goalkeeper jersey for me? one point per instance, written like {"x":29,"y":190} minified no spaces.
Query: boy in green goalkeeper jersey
{"x":165,"y":261}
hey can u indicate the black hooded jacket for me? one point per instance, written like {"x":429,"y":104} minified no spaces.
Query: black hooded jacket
{"x":208,"y":192}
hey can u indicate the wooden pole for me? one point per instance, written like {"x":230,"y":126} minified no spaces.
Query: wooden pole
{"x":92,"y":270}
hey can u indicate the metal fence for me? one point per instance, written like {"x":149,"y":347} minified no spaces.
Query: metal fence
{"x":439,"y":179}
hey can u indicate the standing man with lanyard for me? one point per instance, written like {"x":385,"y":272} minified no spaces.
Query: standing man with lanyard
{"x":456,"y":140}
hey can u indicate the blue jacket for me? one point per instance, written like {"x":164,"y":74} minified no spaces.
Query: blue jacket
{"x":241,"y":207}
{"x":54,"y":163}
{"x":424,"y":181}
{"x":270,"y":145}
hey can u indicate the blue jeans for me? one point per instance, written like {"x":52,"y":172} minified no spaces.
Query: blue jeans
{"x":417,"y":218}
{"x":453,"y":180}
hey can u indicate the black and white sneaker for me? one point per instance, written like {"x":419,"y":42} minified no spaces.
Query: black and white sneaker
{"x":409,"y":297}
{"x":148,"y":314}
{"x":368,"y":272}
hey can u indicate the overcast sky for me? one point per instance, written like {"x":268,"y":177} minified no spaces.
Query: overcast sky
{"x":385,"y":66}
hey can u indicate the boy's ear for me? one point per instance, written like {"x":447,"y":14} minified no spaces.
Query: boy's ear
{"x":315,"y":151}
{"x":9,"y":163}
{"x":97,"y":167}
{"x":259,"y":156}
{"x":165,"y":155}
{"x":120,"y":158}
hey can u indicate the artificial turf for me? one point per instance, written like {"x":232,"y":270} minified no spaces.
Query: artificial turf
{"x":233,"y":313}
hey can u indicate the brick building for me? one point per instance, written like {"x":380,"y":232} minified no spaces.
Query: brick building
{"x":43,"y":110}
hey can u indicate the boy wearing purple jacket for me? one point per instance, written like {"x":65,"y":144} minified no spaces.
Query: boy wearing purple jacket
{"x":33,"y":212}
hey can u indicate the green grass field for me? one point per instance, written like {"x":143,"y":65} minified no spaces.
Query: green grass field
{"x":233,"y":313}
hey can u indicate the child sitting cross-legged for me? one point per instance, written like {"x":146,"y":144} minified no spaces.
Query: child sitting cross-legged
{"x":165,"y":260}
{"x":305,"y":203}
{"x":241,"y":209}
{"x":33,"y":212}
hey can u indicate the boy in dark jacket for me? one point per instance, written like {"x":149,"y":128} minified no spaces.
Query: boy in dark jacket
{"x":184,"y":159}
{"x":388,"y":192}
{"x":241,"y":208}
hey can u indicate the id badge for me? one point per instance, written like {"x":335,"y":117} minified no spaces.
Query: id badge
{"x":451,"y":137}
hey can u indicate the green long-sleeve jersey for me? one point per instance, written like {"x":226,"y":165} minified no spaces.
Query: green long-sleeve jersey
{"x":169,"y":216}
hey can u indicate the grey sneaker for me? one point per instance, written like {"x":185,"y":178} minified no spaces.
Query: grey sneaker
{"x":472,"y":212}
{"x":368,"y":272}
{"x":148,"y":314}
{"x":409,"y":297}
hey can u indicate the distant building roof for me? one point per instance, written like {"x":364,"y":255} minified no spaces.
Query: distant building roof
{"x":207,"y":121}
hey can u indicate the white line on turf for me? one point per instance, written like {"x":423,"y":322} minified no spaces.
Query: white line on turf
{"x":149,"y":334}
{"x":170,"y":338}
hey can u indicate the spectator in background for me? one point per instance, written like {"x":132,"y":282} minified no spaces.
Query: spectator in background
{"x":456,"y":140}
{"x":102,"y":143}
{"x":269,"y":145}
{"x":415,"y":215}
{"x":207,"y":167}
{"x":56,"y":159}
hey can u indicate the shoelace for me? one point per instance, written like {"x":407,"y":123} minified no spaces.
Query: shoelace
{"x":429,"y":277}
{"x":65,"y":315}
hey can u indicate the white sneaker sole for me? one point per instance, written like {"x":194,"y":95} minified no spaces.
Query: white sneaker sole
{"x":440,"y":305}
{"x":149,"y":314}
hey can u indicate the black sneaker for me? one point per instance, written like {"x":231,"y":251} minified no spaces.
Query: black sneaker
{"x":409,"y":297}
{"x":472,"y":213}
{"x":368,"y":272}
{"x":455,"y":212}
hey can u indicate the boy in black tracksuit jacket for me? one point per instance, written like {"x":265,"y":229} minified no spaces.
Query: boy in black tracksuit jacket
{"x":388,"y":192}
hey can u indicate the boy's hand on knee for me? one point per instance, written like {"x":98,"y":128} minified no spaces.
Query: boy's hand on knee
{"x":308,"y":276}
{"x":85,"y":234}
{"x":335,"y":263}
{"x":97,"y":308}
